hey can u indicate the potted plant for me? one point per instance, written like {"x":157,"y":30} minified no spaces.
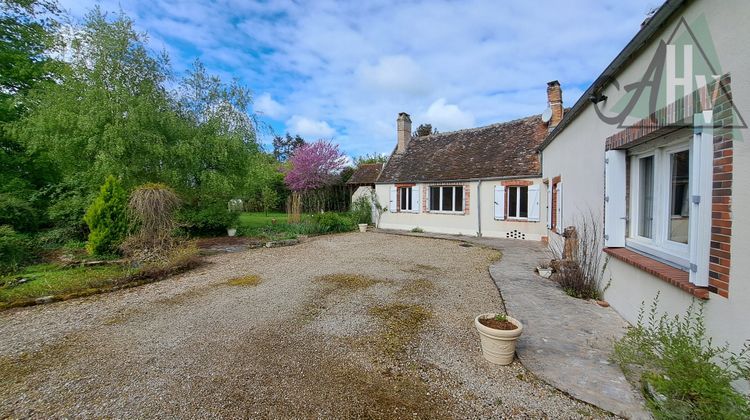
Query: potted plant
{"x":362,"y":227}
{"x":544,"y":269}
{"x":498,"y":334}
{"x":232,"y":231}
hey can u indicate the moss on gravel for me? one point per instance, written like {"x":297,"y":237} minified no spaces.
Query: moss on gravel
{"x":348,"y":281}
{"x":249,"y":280}
{"x":401,"y":323}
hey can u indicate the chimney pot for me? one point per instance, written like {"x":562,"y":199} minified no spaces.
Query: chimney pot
{"x":555,"y":103}
{"x":403,"y":127}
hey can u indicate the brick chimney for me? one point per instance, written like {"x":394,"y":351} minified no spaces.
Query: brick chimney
{"x":554,"y":101}
{"x":403,"y":124}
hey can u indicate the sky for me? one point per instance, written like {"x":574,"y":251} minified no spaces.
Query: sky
{"x":343,"y":70}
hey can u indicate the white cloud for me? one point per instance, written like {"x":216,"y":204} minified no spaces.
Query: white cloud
{"x":308,"y":128}
{"x":342,"y":65}
{"x":266,"y":105}
{"x":397,"y":74}
{"x":447,"y":117}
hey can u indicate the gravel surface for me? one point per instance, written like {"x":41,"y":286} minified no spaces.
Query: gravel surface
{"x":355,"y":325}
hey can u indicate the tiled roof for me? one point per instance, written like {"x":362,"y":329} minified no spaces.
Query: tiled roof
{"x":366,"y":174}
{"x":495,"y":151}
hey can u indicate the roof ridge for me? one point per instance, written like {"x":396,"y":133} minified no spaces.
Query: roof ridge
{"x":468,"y":130}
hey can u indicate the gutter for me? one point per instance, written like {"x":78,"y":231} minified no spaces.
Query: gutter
{"x":640,"y":40}
{"x":444,"y":181}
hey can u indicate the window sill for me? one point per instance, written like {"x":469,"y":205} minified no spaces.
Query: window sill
{"x":669,"y":274}
{"x":446,"y":212}
{"x":518,"y":219}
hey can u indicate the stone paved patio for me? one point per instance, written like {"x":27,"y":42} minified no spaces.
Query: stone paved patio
{"x":567,"y":342}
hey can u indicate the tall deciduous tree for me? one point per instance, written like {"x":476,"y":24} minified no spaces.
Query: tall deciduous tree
{"x":314,"y":165}
{"x":26,"y":37}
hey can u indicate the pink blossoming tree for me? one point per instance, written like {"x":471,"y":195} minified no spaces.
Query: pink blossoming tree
{"x":314,"y":165}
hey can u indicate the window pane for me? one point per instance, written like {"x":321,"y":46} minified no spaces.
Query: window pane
{"x":447,"y":199}
{"x":512,"y":201}
{"x":404,"y":202}
{"x":646,"y":199}
{"x":459,"y":199}
{"x":434,"y":198}
{"x":679,"y":200}
{"x":524,"y":202}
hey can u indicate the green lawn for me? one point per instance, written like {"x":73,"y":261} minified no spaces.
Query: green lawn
{"x":51,"y":279}
{"x":259,"y":220}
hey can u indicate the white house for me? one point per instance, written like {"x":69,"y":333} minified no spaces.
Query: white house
{"x":665,"y":179}
{"x":482,"y":181}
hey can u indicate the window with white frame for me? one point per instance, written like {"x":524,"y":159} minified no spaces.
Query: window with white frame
{"x":518,"y":202}
{"x":660,"y":181}
{"x":447,"y":199}
{"x":406,"y":202}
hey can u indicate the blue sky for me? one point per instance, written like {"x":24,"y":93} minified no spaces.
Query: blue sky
{"x":345,"y":69}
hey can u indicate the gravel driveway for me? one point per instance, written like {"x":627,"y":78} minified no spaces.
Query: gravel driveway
{"x":355,"y":325}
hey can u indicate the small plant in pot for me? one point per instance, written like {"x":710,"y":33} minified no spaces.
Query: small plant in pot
{"x":362,"y":227}
{"x":544,"y":269}
{"x":498,"y":334}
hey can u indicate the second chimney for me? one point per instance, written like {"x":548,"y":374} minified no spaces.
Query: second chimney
{"x":403,"y":124}
{"x":554,"y":101}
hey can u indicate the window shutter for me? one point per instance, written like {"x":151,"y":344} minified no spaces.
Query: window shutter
{"x":499,"y":202}
{"x":701,"y":185}
{"x":533,"y":196}
{"x":560,"y":226}
{"x":392,"y":200}
{"x":614,"y":198}
{"x":415,"y":196}
{"x":549,"y":204}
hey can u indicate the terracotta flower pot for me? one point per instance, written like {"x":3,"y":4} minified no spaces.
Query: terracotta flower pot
{"x":362,"y":227}
{"x":498,"y":346}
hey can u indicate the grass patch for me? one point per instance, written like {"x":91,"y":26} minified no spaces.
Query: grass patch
{"x":401,"y":323}
{"x":254,"y":220}
{"x":51,"y":279}
{"x":63,"y":283}
{"x":249,"y":280}
{"x":348,"y":281}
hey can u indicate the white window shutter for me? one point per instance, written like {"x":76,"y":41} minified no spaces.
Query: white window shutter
{"x":499,"y":202}
{"x":549,"y":205}
{"x":614,"y":198}
{"x":560,"y":226}
{"x":533,"y":203}
{"x":701,"y":185}
{"x":415,"y":199}
{"x":392,"y":200}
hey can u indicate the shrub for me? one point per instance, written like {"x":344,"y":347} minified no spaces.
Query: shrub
{"x":152,"y":208}
{"x":362,"y":210}
{"x":68,"y":203}
{"x":15,"y":249}
{"x":107,"y":218}
{"x":683,"y":375}
{"x":17,"y":212}
{"x":207,"y":220}
{"x":331,"y":222}
{"x":417,"y":230}
{"x":580,"y":263}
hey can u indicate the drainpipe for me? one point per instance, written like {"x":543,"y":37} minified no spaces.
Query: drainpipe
{"x":479,"y":208}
